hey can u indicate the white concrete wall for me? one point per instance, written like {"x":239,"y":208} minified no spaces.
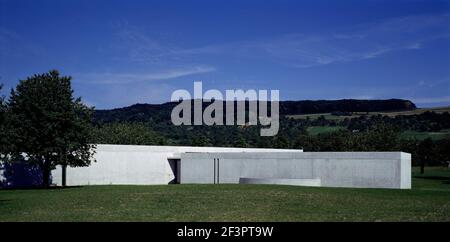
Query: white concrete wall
{"x":334,"y":169}
{"x":136,"y":164}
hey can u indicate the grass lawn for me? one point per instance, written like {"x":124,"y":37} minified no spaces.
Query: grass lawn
{"x":429,"y":200}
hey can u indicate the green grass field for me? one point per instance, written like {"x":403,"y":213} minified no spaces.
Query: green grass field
{"x":429,"y":200}
{"x":355,"y":115}
{"x":411,"y":134}
{"x":315,"y":130}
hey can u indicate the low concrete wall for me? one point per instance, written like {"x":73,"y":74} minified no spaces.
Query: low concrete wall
{"x":136,"y":164}
{"x":293,"y":182}
{"x":334,"y":169}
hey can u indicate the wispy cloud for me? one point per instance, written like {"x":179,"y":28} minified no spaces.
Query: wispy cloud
{"x":430,"y":100}
{"x":431,"y":91}
{"x":358,"y":42}
{"x":123,"y":78}
{"x":364,"y":41}
{"x":422,"y":92}
{"x":139,"y":46}
{"x":13,"y":45}
{"x":114,"y":96}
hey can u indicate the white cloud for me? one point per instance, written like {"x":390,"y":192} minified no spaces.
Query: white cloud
{"x":376,"y":53}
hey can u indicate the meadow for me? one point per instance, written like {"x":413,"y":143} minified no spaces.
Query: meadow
{"x":428,"y":200}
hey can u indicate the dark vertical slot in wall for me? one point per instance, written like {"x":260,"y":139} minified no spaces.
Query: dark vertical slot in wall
{"x":178,"y":172}
{"x":216,"y":171}
{"x":175,"y":166}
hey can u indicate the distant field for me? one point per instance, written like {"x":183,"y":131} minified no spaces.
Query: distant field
{"x":315,"y":130}
{"x":317,"y":115}
{"x":410,"y":134}
{"x":354,"y":115}
{"x":429,"y":200}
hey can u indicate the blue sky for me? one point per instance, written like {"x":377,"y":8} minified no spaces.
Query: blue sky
{"x":125,"y":52}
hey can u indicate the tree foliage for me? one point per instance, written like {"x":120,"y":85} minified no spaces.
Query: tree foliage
{"x":49,"y":126}
{"x":126,"y":133}
{"x":3,"y":130}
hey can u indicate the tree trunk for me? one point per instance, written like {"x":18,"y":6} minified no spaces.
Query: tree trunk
{"x":46,"y":175}
{"x":422,"y":167}
{"x":63,"y":178}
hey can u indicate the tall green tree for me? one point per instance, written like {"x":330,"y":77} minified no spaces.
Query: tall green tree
{"x":425,"y":153}
{"x":49,"y":126}
{"x":200,"y":140}
{"x":443,"y":150}
{"x":3,"y":130}
{"x":239,"y":141}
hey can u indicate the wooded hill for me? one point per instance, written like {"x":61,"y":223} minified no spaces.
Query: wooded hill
{"x":161,"y":112}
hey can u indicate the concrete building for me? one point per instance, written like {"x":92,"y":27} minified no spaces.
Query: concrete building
{"x":143,"y":165}
{"x":328,"y":169}
{"x":138,"y":164}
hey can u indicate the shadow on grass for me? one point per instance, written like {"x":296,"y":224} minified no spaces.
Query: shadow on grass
{"x":444,"y":179}
{"x":438,"y":178}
